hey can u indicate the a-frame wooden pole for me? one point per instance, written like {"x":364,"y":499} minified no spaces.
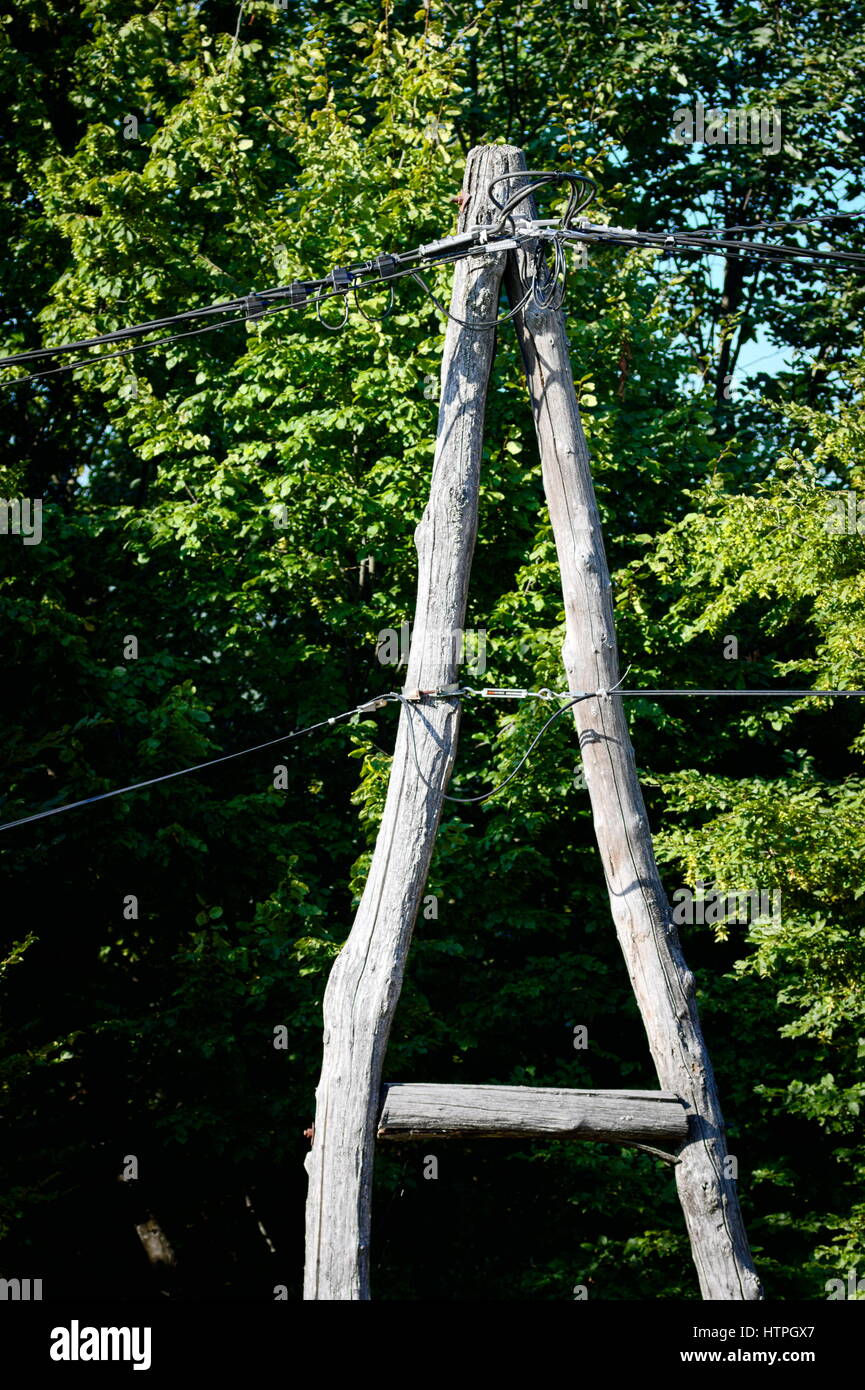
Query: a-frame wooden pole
{"x":662,"y":982}
{"x":365,"y":981}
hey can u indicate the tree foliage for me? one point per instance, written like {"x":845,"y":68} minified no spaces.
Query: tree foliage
{"x":242,"y":504}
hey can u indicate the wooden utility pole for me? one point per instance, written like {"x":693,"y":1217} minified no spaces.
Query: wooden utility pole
{"x":365,"y":981}
{"x":662,"y":983}
{"x":364,"y":985}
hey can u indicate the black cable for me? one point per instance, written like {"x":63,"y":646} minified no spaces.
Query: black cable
{"x":467,"y":800}
{"x":123,"y":352}
{"x":299,"y":294}
{"x":199,"y":767}
{"x":481,"y":324}
{"x":772,"y":252}
{"x":264,"y":296}
{"x":559,"y":275}
{"x":684,"y":241}
{"x":333,"y":327}
{"x":557,"y":278}
{"x":192,"y":333}
{"x":374,"y":318}
{"x":792,"y":222}
{"x":543,"y":178}
{"x":264,"y":303}
{"x":777,"y":694}
{"x":34,"y":354}
{"x":766,"y":250}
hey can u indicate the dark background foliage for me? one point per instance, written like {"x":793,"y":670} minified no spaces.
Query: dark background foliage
{"x":219,"y":500}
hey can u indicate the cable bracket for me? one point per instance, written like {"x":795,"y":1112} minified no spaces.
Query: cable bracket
{"x":255,"y":306}
{"x":371,"y":705}
{"x":386,"y":266}
{"x":340,"y":277}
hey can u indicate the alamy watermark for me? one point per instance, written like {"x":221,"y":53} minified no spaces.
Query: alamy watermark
{"x":853,"y":1288}
{"x":22,"y":519}
{"x":845,"y":514}
{"x":696,"y":906}
{"x":77,"y":1343}
{"x":20,"y":1290}
{"x":740,"y":125}
{"x":464,"y":647}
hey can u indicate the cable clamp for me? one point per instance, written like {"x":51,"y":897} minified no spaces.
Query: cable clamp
{"x":450,"y":243}
{"x":386,"y":266}
{"x":442,"y":692}
{"x":340,"y":278}
{"x":537,"y":232}
{"x":297,"y":292}
{"x":491,"y":248}
{"x":370,"y":706}
{"x":255,"y":305}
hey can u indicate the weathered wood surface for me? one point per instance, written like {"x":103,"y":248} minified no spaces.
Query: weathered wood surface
{"x":423,"y":1110}
{"x":365,"y":981}
{"x":662,"y":982}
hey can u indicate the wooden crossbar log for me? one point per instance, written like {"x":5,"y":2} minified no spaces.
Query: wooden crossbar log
{"x":428,"y":1110}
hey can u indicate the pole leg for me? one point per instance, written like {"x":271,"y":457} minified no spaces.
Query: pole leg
{"x":365,"y":981}
{"x":662,"y":982}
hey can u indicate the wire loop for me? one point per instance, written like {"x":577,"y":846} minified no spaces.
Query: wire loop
{"x":334,"y":327}
{"x":481,"y":324}
{"x":544,"y":177}
{"x":484,"y":796}
{"x":374,"y":318}
{"x":546,"y":298}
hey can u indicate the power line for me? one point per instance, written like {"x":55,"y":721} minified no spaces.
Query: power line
{"x":388,"y":267}
{"x":364,"y":708}
{"x":172,"y":338}
{"x":259,"y":305}
{"x":692,"y":241}
{"x":161,"y":342}
{"x":502,"y":693}
{"x":762,"y":694}
{"x":340,"y":281}
{"x":769,"y":252}
{"x":484,"y":796}
{"x":410,"y":700}
{"x":118,"y":334}
{"x":790,"y":222}
{"x":123,"y":352}
{"x":254,"y":305}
